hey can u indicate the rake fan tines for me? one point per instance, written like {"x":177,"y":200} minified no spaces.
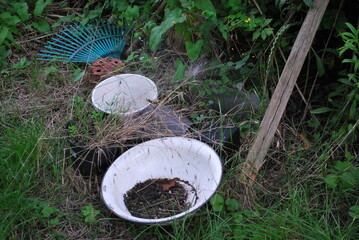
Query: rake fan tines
{"x":85,"y":43}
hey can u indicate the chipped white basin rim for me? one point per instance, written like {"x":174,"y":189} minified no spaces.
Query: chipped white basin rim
{"x":124,"y":94}
{"x":172,"y":157}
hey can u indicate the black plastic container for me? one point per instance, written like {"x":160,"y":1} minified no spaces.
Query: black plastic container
{"x":222,"y":137}
{"x":93,"y":161}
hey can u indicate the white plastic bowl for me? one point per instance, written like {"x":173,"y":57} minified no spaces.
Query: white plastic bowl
{"x":124,"y":94}
{"x":171,"y":157}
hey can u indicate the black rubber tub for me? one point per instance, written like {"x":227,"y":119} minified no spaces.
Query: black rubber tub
{"x":221,"y":137}
{"x":93,"y":161}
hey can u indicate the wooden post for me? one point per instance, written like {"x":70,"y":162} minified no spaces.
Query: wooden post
{"x":286,"y":83}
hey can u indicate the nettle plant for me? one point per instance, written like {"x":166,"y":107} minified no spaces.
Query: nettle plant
{"x":197,"y":21}
{"x":207,"y":29}
{"x":14,"y":14}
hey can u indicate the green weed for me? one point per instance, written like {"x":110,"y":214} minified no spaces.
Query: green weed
{"x":90,"y":213}
{"x":15,"y":13}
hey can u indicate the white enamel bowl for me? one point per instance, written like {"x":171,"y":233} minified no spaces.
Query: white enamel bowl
{"x":124,"y":94}
{"x":171,"y":157}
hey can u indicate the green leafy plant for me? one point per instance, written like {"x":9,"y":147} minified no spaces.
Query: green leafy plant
{"x":52,"y":214}
{"x":81,"y":124}
{"x":345,"y":179}
{"x":78,"y":74}
{"x":73,"y":131}
{"x":354,"y":212}
{"x":194,"y":49}
{"x":217,"y":202}
{"x":23,"y":63}
{"x":171,"y":18}
{"x":346,"y":176}
{"x":195,"y":21}
{"x":351,"y":45}
{"x":197,"y":118}
{"x":230,"y":210}
{"x":344,"y":98}
{"x":90,"y":213}
{"x":180,"y":71}
{"x":50,"y":70}
{"x":259,"y":26}
{"x":14,"y":13}
{"x":40,"y":6}
{"x":220,"y":204}
{"x":220,"y":81}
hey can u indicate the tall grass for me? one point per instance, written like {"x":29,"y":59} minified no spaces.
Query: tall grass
{"x":294,"y":218}
{"x":19,"y":169}
{"x":203,"y":225}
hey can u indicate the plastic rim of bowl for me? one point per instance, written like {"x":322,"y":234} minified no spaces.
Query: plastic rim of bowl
{"x":124,"y":94}
{"x":169,"y":157}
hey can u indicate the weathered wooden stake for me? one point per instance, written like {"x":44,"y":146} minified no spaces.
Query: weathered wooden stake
{"x":286,"y":83}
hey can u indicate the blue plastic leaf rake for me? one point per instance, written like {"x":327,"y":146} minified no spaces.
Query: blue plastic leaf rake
{"x":85,"y":43}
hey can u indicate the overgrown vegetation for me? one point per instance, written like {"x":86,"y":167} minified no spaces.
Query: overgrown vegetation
{"x":196,"y":52}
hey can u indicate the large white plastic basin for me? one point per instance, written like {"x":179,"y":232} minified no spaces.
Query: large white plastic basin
{"x":171,"y":157}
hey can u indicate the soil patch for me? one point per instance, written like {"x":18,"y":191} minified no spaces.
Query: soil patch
{"x":158,"y":198}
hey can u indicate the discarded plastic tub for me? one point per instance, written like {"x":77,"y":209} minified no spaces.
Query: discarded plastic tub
{"x":173,"y":157}
{"x":124,"y":94}
{"x":91,"y":160}
{"x":223,"y":137}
